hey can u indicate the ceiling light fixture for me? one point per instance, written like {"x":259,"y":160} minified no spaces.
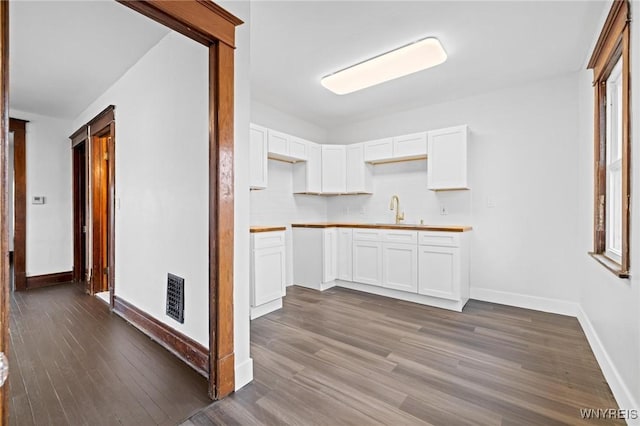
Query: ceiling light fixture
{"x":405,"y":60}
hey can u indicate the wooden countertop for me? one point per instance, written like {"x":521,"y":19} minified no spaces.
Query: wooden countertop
{"x":444,"y":228}
{"x":255,"y":229}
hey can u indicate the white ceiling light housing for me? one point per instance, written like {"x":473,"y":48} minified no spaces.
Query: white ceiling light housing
{"x":405,"y":60}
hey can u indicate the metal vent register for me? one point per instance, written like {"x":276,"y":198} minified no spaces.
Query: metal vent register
{"x":175,"y":297}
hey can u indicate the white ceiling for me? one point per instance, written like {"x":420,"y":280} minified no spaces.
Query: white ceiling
{"x":63,"y":55}
{"x":491,"y":45}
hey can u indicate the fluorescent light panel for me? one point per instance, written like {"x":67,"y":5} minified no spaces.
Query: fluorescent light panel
{"x":414,"y":57}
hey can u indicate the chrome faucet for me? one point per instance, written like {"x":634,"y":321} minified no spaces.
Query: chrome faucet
{"x":395,"y":202}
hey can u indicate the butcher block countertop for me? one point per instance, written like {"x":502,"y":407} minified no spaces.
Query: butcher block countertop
{"x":408,"y":227}
{"x":255,"y":229}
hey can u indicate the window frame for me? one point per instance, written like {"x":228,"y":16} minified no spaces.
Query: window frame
{"x":612,"y":46}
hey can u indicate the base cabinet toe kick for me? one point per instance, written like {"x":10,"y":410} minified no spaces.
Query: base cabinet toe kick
{"x":426,"y":267}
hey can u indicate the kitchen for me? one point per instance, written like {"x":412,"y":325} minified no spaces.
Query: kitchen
{"x":349,"y":209}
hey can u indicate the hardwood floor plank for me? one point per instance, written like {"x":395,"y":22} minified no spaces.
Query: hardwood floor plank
{"x":74,"y":363}
{"x":346,"y":357}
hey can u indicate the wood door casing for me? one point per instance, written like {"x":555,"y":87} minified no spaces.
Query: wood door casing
{"x":18,"y":127}
{"x":4,"y":229}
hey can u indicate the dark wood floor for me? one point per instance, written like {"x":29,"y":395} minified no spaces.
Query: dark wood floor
{"x":343,"y":357}
{"x":74,"y":363}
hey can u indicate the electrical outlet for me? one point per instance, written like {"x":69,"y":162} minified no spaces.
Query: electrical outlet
{"x":491,"y":202}
{"x":444,"y":211}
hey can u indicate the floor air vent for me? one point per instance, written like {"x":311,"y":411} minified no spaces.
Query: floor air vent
{"x":175,"y":297}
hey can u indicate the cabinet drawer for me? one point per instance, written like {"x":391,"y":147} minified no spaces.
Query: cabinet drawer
{"x":405,"y":237}
{"x":367,"y":235}
{"x":267,"y":239}
{"x":444,"y":239}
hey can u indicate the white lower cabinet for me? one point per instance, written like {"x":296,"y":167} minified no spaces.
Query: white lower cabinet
{"x":400,"y":266}
{"x":345,"y":254}
{"x":440,"y":267}
{"x":427,"y":267}
{"x":443,"y":265}
{"x":267,"y":272}
{"x":367,"y":262}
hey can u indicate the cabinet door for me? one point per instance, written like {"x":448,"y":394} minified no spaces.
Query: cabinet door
{"x":400,"y":267}
{"x":297,"y":149}
{"x":314,"y":168}
{"x":367,"y":262}
{"x":410,"y":146}
{"x":358,"y":173}
{"x":439,"y":271}
{"x":447,"y":159}
{"x":334,"y":180}
{"x":378,"y":150}
{"x":330,"y":255}
{"x":345,"y":254}
{"x":258,"y":157}
{"x":268,"y":275}
{"x":278,"y":144}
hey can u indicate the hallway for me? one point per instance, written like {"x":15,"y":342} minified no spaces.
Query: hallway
{"x":73,"y":362}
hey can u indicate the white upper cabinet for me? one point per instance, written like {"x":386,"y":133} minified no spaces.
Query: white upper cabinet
{"x":409,"y":147}
{"x":257,"y":157}
{"x":447,"y":159}
{"x":398,"y":148}
{"x":359,"y":173}
{"x":307,"y":176}
{"x":285,"y":147}
{"x":334,"y":164}
{"x":379,"y":150}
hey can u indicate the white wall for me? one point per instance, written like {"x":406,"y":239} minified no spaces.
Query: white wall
{"x":612,"y":305}
{"x":522,"y":155}
{"x":268,"y":116}
{"x":49,"y":243}
{"x":162,"y":180}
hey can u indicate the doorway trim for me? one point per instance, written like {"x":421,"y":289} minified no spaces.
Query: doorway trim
{"x":18,"y":127}
{"x":102,"y":216}
{"x":214,"y":27}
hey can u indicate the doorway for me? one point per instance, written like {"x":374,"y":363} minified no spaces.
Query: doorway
{"x":93,"y":147}
{"x":80,"y":207}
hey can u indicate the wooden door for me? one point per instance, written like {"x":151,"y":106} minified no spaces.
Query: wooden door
{"x":102,"y":184}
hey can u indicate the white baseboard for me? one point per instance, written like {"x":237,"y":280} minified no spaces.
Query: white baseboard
{"x":553,"y":306}
{"x":621,"y":392}
{"x":244,"y":373}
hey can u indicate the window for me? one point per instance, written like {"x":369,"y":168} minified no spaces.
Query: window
{"x":610,"y":64}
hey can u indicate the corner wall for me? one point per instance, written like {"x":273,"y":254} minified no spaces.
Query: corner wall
{"x":610,"y":306}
